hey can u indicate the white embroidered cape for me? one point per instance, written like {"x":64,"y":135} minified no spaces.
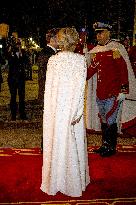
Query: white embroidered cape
{"x":65,"y":161}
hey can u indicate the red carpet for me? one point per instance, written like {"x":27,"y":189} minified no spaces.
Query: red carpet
{"x":113,"y":179}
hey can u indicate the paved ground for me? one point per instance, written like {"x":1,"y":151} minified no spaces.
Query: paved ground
{"x":28,"y":134}
{"x":21,"y":134}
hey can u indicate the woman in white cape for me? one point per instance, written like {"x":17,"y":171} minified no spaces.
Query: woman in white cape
{"x":65,"y":162}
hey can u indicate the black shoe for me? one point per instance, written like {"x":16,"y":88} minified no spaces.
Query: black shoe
{"x":13,"y":118}
{"x":107,"y":152}
{"x":24,"y":117}
{"x":99,"y":150}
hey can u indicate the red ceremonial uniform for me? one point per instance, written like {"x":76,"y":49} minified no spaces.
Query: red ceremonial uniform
{"x":112,"y":73}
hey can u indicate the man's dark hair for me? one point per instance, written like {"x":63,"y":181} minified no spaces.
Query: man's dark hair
{"x":51,"y":33}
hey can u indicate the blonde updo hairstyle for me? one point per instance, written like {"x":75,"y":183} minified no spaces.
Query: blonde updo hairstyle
{"x":67,"y":39}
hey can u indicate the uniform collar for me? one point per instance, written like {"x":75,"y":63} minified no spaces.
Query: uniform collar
{"x":106,"y":42}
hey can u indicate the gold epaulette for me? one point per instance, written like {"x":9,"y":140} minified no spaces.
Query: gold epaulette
{"x":93,"y":55}
{"x":116,"y":54}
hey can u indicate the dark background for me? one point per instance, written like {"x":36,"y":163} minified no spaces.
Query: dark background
{"x":33,"y":18}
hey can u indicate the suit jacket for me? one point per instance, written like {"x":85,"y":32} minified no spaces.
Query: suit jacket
{"x":16,"y":67}
{"x":42,"y":61}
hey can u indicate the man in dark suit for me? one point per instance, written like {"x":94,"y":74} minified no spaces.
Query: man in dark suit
{"x":42,"y":60}
{"x":16,"y":77}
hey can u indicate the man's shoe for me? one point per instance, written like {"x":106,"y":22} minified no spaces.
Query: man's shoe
{"x":99,"y":150}
{"x":107,"y":152}
{"x":23,"y":117}
{"x":13,"y":119}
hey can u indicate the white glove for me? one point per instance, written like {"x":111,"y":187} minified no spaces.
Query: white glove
{"x":121,"y":97}
{"x":85,"y":50}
